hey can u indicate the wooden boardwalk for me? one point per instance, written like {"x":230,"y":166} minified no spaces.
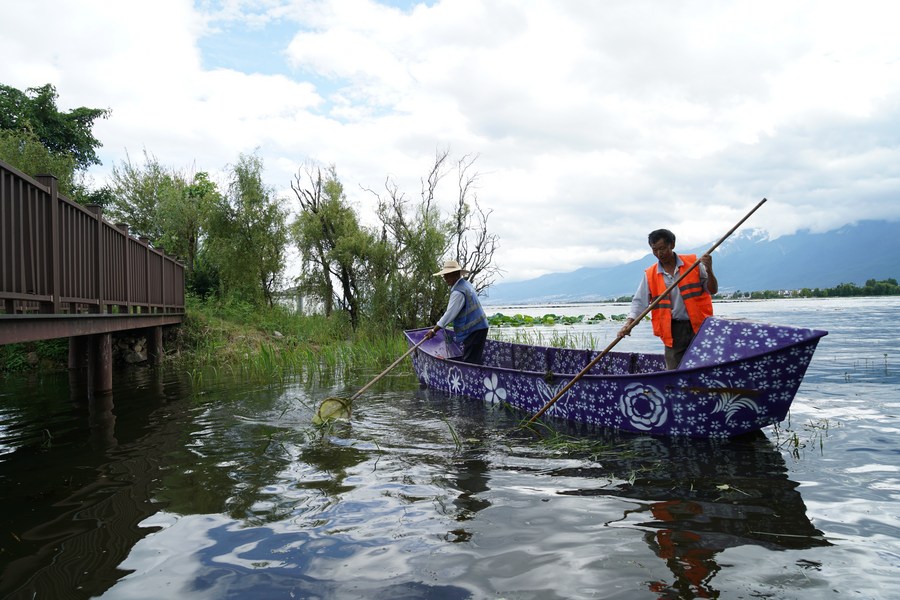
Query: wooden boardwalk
{"x":66,"y":272}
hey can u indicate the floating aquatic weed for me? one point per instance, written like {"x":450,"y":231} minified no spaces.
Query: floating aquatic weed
{"x":560,"y":443}
{"x":724,"y":487}
{"x":332,"y":409}
{"x":815,"y":434}
{"x":453,"y":433}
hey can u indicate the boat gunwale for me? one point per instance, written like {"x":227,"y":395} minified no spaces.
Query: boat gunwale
{"x":816,"y":335}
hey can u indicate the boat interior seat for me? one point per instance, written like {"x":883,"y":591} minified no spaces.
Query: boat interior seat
{"x":561,"y":361}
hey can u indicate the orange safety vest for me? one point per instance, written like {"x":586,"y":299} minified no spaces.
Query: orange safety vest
{"x":697,"y":301}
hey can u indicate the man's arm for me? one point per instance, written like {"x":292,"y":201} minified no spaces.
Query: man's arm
{"x":639,"y":304}
{"x":457,"y":300}
{"x":456,"y":303}
{"x":712,"y":284}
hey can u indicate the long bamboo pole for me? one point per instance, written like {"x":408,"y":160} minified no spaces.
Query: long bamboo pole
{"x":386,"y":371}
{"x":638,"y":319}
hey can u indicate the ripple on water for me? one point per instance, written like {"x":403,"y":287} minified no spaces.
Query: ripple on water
{"x":423,"y":495}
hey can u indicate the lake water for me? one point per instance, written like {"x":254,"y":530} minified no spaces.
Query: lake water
{"x":229,"y":491}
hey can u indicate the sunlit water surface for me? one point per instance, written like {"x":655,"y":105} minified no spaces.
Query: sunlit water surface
{"x":228,"y":491}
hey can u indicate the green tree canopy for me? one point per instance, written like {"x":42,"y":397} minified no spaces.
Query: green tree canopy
{"x":38,"y":139}
{"x":247,"y":235}
{"x":184,"y":211}
{"x":167,"y":206}
{"x":24,"y":151}
{"x":137,"y":191}
{"x":62,"y":133}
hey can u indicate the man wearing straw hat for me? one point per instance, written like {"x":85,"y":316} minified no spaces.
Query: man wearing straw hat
{"x":470,"y":325}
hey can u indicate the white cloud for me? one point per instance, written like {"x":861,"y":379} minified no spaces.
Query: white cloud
{"x":594,"y":122}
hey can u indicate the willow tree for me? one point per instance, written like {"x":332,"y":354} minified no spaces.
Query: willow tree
{"x":386,"y":274}
{"x":415,"y":236}
{"x":137,"y":190}
{"x":248,"y":234}
{"x":184,"y":212}
{"x":334,"y":247}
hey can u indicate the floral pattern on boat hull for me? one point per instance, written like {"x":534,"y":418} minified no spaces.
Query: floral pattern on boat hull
{"x":494,"y":393}
{"x":455,"y":380}
{"x":740,"y":377}
{"x":547,"y":392}
{"x":644,"y":406}
{"x":732,"y":404}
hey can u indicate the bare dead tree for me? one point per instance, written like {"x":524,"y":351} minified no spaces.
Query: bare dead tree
{"x":471,"y":242}
{"x":420,"y":235}
{"x":430,"y":183}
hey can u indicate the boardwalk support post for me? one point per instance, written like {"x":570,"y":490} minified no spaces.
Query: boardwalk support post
{"x":155,"y":345}
{"x":101,"y":362}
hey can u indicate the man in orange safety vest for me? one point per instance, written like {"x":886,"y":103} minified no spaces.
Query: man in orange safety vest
{"x":678,"y":316}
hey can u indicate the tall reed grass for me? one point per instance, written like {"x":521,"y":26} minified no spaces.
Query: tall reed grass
{"x":273,"y":344}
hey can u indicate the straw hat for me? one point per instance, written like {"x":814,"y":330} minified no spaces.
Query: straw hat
{"x":451,"y":266}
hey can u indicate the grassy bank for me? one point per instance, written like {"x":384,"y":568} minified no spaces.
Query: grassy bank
{"x":241,"y":338}
{"x":274,"y":342}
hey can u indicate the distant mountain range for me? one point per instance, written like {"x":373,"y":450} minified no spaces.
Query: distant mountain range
{"x":747,"y":261}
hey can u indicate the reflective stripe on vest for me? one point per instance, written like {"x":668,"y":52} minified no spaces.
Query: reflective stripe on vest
{"x":697,"y":302}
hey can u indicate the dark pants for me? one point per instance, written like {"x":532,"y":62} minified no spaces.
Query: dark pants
{"x":682,"y":334}
{"x":473,"y":347}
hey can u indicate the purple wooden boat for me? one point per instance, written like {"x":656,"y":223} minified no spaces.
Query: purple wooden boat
{"x":737,"y":376}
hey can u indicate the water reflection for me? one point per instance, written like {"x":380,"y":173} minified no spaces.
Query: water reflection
{"x":72,"y":497}
{"x":696,"y":498}
{"x":232,"y":493}
{"x":686,"y":553}
{"x":327,"y":466}
{"x":254,"y":502}
{"x":467,"y":471}
{"x":102,"y":421}
{"x":471,"y":478}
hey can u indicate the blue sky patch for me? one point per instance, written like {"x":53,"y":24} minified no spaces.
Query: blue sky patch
{"x":249,"y":49}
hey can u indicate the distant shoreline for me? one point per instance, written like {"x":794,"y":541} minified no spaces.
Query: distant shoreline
{"x":575,"y":303}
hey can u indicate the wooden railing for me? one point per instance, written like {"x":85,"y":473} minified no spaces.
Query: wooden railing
{"x":58,"y":257}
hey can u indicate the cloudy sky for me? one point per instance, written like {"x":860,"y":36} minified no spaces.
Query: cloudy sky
{"x":593,"y":121}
